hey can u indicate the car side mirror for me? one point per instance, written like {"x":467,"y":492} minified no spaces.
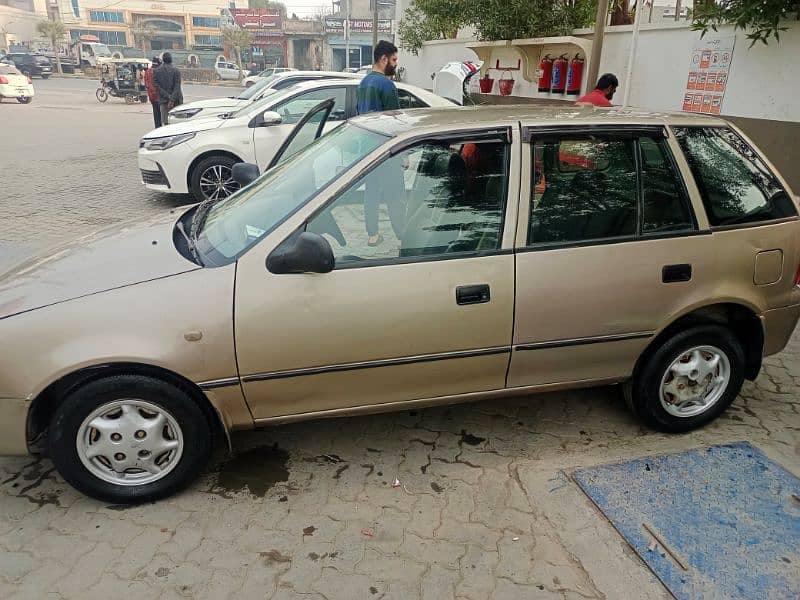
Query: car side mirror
{"x":304,"y":253}
{"x":270,"y":117}
{"x":245,"y":173}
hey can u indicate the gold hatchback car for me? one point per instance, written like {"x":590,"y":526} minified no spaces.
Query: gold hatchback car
{"x":402,"y":260}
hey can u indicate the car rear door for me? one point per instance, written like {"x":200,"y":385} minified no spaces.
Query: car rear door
{"x":608,"y":248}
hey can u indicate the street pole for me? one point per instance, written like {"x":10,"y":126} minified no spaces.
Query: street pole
{"x":347,"y":35}
{"x":597,"y":43}
{"x":637,"y":22}
{"x":374,"y":25}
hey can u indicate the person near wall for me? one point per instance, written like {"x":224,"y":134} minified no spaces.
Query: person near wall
{"x":167,"y":80}
{"x":377,"y":92}
{"x":603,"y":92}
{"x":152,"y":92}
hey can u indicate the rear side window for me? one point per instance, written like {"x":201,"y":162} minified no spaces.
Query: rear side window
{"x":409,"y":100}
{"x":665,"y":207}
{"x":735,"y":184}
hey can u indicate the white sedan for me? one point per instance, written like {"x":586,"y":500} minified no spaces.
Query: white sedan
{"x":14,"y":84}
{"x":229,"y":71}
{"x":254,"y":79}
{"x":198,"y":157}
{"x":268,"y":85}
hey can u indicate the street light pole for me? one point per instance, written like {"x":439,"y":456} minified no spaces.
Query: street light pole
{"x":597,"y":43}
{"x":374,"y":25}
{"x":347,"y":35}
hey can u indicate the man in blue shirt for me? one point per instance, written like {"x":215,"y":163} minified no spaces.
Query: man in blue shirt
{"x":376,"y":93}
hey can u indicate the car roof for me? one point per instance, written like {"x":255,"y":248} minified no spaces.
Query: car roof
{"x":398,"y":122}
{"x":283,"y":74}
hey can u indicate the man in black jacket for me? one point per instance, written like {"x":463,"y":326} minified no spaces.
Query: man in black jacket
{"x":167,"y":80}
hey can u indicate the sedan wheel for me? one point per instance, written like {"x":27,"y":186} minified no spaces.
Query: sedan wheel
{"x":24,"y":99}
{"x":212,"y":178}
{"x":695,"y":381}
{"x":129,"y":438}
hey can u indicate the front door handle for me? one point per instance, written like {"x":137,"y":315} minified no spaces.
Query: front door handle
{"x":676,"y":273}
{"x":473,"y":294}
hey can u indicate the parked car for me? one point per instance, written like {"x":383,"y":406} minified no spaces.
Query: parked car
{"x":14,"y":84}
{"x":197,"y":157}
{"x":30,"y":64}
{"x":229,"y":71}
{"x":534,"y":249}
{"x":253,"y":79}
{"x":267,"y":85}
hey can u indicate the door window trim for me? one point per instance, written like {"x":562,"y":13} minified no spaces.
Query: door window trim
{"x":660,"y":133}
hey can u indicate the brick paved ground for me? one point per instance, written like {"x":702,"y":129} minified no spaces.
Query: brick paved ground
{"x":486,"y":508}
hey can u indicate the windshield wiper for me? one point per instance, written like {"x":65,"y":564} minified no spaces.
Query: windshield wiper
{"x":199,"y":217}
{"x":189,"y":243}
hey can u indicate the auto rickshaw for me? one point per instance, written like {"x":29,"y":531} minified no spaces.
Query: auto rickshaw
{"x":126,"y":81}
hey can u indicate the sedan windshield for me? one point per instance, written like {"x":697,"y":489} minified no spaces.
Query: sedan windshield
{"x":236,"y":223}
{"x":254,"y":89}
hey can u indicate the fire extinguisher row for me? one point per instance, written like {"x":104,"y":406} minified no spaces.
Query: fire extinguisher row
{"x":558,"y":76}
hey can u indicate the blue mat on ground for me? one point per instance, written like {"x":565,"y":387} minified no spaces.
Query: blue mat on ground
{"x":720,"y":522}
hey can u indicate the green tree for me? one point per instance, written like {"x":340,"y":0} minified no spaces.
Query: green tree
{"x":268,"y":4}
{"x":54,"y":31}
{"x":238,"y":39}
{"x":427,"y":20}
{"x":760,"y":19}
{"x":143,"y":33}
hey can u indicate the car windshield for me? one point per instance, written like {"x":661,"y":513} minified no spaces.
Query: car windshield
{"x":8,"y":70}
{"x":101,"y":50}
{"x":256,"y":88}
{"x":238,"y":222}
{"x":270,"y":97}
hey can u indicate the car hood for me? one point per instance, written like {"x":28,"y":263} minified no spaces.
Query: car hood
{"x":117,"y":256}
{"x":221,"y":103}
{"x":193,"y":126}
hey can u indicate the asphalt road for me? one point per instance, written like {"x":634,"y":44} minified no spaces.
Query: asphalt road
{"x":69,"y":163}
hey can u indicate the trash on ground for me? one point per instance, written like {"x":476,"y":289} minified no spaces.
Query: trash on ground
{"x":368,"y":532}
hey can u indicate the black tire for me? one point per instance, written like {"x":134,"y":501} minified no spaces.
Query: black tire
{"x":25,"y":99}
{"x":101,"y":94}
{"x":642,"y":394}
{"x":226,"y":162}
{"x":70,"y":414}
{"x":249,"y":84}
{"x":45,"y":75}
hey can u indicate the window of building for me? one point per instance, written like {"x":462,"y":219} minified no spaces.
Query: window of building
{"x":110,"y":38}
{"x":76,"y":10}
{"x":106,"y":16}
{"x":208,"y":40}
{"x":205,"y":22}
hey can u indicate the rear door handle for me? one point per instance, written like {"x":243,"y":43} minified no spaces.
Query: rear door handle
{"x":473,"y":294}
{"x":676,"y":273}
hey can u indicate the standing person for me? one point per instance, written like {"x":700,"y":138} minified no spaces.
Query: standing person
{"x":377,"y":92}
{"x":152,"y":92}
{"x":603,"y":91}
{"x":167,"y":80}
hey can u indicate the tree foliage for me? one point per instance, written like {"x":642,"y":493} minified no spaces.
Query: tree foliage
{"x":428,"y":20}
{"x":280,"y":6}
{"x":143,"y":33}
{"x":760,"y":19}
{"x":238,"y":39}
{"x":55,"y":31}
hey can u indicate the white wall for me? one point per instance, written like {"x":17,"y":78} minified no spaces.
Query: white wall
{"x":764,"y":81}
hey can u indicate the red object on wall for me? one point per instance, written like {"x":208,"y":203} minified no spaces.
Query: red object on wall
{"x":559,"y":83}
{"x":546,"y":68}
{"x":574,"y":76}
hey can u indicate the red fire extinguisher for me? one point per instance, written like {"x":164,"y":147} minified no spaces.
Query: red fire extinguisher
{"x":546,"y":70}
{"x":574,"y":76}
{"x":559,"y":82}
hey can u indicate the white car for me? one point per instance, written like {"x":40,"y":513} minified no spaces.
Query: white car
{"x":14,"y":84}
{"x":198,"y":157}
{"x":229,"y":71}
{"x":254,"y":79}
{"x":266,"y":86}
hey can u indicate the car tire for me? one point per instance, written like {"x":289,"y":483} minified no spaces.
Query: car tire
{"x":207,"y":171}
{"x":44,"y":76}
{"x":84,"y":455}
{"x":249,"y":84}
{"x":25,"y":100}
{"x":705,"y":364}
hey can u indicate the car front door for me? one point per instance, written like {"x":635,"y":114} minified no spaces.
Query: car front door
{"x":607,"y":249}
{"x":268,"y":138}
{"x":423,"y":311}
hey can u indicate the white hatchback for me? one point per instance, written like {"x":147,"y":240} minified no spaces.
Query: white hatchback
{"x":14,"y":84}
{"x":254,"y":79}
{"x":198,"y":157}
{"x":229,"y":71}
{"x":267,"y":85}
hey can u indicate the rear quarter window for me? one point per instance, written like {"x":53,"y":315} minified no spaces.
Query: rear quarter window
{"x":735,"y":184}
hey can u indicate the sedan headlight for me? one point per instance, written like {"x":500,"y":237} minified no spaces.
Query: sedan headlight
{"x":162,"y":143}
{"x":184,"y":113}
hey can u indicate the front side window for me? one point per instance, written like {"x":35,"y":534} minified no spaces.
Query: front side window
{"x":584,"y":188}
{"x":296,"y":108}
{"x":735,"y":184}
{"x":409,"y":100}
{"x":437,"y":198}
{"x":238,"y":222}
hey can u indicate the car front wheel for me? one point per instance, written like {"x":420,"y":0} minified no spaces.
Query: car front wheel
{"x":688,"y":381}
{"x":212,"y":178}
{"x":129,"y":439}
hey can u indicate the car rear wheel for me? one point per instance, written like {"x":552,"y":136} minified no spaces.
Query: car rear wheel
{"x":689,"y":381}
{"x":129,"y":439}
{"x":212,"y":178}
{"x":45,"y":75}
{"x":24,"y":99}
